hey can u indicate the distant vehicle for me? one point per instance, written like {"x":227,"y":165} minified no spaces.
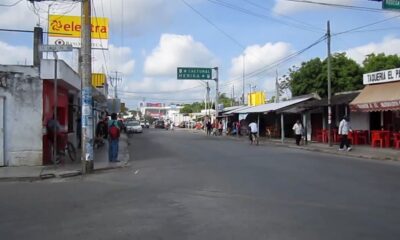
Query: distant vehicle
{"x":159,"y":124}
{"x":181,"y":125}
{"x":147,"y":124}
{"x":133,"y":127}
{"x":142,"y":124}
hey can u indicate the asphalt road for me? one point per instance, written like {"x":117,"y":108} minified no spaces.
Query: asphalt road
{"x":183,"y":185}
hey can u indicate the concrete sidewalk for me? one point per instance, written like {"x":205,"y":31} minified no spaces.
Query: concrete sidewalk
{"x":359,"y":151}
{"x":67,"y":169}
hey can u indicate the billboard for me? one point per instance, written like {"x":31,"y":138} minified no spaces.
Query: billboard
{"x":98,"y":80}
{"x":66,"y":30}
{"x":256,"y":98}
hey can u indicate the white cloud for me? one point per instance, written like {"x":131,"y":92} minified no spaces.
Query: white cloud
{"x":15,"y":54}
{"x":117,"y":59}
{"x":168,"y":90}
{"x":176,"y":51}
{"x":284,"y":6}
{"x":386,"y":46}
{"x":17,"y":17}
{"x":137,"y":16}
{"x":257,"y":56}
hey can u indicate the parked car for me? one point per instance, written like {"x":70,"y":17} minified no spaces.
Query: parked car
{"x":133,"y":127}
{"x":159,"y":124}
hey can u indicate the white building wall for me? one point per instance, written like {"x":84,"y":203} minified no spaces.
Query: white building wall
{"x":359,"y":120}
{"x":23,"y":103}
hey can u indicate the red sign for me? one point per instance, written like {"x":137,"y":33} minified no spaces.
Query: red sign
{"x":377,"y":106}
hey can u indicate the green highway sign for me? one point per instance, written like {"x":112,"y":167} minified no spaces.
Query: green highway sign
{"x":391,"y":4}
{"x":194,"y":73}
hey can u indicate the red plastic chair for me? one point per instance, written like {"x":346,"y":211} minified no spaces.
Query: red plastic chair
{"x":362,"y":137}
{"x":350,"y":137}
{"x":376,"y":137}
{"x":396,"y":140}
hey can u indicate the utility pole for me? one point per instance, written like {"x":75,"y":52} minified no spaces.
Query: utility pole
{"x":87,"y":111}
{"x":114,"y":82}
{"x":216,"y":92}
{"x":208,"y":98}
{"x":276,"y":87}
{"x":243,"y":80}
{"x":250,"y":94}
{"x":328,"y":34}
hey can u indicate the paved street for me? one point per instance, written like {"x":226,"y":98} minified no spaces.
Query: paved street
{"x":184,"y":185}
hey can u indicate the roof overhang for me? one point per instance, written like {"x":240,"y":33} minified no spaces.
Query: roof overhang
{"x":378,"y":97}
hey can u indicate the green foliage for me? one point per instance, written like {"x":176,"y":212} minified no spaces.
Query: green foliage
{"x":312,"y":76}
{"x":192,"y":108}
{"x":223,"y":99}
{"x":380,"y":62}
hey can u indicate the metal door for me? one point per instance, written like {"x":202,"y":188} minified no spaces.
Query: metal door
{"x":2,"y":163}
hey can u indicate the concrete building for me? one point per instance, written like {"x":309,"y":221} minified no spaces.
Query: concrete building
{"x":21,"y":111}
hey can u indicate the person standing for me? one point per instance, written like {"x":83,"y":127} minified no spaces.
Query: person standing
{"x":344,"y":129}
{"x":114,"y":130}
{"x":209,"y":128}
{"x":298,"y":131}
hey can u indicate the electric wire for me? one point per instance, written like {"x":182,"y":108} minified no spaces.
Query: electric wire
{"x":11,"y":4}
{"x":101,"y":42}
{"x":262,"y":16}
{"x":350,"y":7}
{"x":284,"y":15}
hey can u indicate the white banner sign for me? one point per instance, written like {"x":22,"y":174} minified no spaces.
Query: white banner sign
{"x":76,"y":42}
{"x":391,"y":75}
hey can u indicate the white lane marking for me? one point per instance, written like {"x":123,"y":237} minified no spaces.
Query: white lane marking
{"x":136,"y":172}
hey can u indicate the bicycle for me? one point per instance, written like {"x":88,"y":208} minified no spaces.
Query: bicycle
{"x":65,"y":148}
{"x":253,"y":138}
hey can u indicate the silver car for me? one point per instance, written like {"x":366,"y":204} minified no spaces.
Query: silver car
{"x":133,"y":127}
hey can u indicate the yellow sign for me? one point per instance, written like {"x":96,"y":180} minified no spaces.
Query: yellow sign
{"x":98,"y":80}
{"x":70,"y":27}
{"x":256,"y":98}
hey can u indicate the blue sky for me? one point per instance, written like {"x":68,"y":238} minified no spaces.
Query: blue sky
{"x":150,"y":38}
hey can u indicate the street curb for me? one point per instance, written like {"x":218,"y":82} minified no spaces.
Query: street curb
{"x":314,"y":149}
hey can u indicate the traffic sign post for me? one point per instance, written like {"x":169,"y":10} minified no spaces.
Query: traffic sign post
{"x":192,"y":73}
{"x":184,"y":73}
{"x":55,"y":48}
{"x":391,"y":4}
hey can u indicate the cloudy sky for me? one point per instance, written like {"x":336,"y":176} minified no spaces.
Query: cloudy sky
{"x":149,"y":39}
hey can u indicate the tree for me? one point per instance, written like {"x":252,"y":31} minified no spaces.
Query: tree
{"x":192,"y":108}
{"x":312,"y":77}
{"x":226,"y":101}
{"x":380,"y":62}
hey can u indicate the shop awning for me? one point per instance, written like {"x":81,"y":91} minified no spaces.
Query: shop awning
{"x":270,"y":107}
{"x":379,"y":97}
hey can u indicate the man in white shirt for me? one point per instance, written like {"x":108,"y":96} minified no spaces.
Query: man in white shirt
{"x":344,"y":129}
{"x":298,"y":131}
{"x":253,"y":130}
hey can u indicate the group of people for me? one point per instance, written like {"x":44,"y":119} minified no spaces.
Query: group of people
{"x":109,"y":129}
{"x":233,"y":128}
{"x":343,"y":131}
{"x":105,"y":130}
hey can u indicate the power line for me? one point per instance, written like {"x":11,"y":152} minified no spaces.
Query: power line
{"x":359,"y":8}
{"x":366,"y":25}
{"x":11,"y":4}
{"x":101,"y":42}
{"x":284,"y":15}
{"x":262,"y":16}
{"x":214,"y":25}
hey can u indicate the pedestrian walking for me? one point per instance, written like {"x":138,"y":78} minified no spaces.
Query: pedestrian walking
{"x":344,"y":129}
{"x":220,"y":128}
{"x":114,"y":130}
{"x":298,"y":131}
{"x":209,"y":128}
